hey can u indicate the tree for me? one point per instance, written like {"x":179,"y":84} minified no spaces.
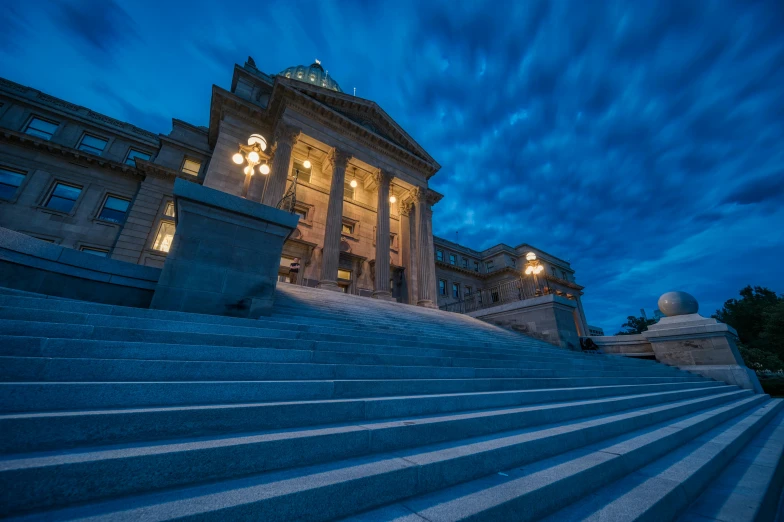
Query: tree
{"x":758,"y":317}
{"x":635,"y":325}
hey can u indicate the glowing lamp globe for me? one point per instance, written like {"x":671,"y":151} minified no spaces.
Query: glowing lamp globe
{"x":306,"y":164}
{"x":392,"y":199}
{"x":353,"y":183}
{"x":249,"y":170}
{"x":264,"y":169}
{"x":238,"y":159}
{"x":530,"y":256}
{"x":529,"y":270}
{"x":253,"y":157}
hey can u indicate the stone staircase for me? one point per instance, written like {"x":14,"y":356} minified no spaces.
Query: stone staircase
{"x":339,"y":406}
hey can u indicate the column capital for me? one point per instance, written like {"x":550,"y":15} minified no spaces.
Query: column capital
{"x":339,"y":158}
{"x":406,"y":207}
{"x":419,"y":194}
{"x":286,"y":133}
{"x":382,"y":176}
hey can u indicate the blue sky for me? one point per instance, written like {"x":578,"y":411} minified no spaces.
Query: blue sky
{"x":643,"y":141}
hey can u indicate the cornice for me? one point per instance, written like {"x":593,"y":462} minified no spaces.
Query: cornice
{"x":149,"y":167}
{"x":223,"y":100}
{"x":33,"y":142}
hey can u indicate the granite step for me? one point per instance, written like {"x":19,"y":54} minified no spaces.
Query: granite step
{"x":32,"y":431}
{"x":664,"y":489}
{"x":341,"y":488}
{"x":90,"y":474}
{"x":539,"y":489}
{"x":57,"y":396}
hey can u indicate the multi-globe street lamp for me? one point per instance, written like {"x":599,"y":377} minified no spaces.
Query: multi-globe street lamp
{"x":533,"y":268}
{"x":252,"y":154}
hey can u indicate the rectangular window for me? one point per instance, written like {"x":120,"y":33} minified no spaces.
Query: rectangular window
{"x":165,"y":236}
{"x":514,"y":262}
{"x":92,"y":144}
{"x":456,"y":290}
{"x":95,"y":251}
{"x":465,"y":263}
{"x":9,"y":182}
{"x":191,"y":167}
{"x":169,"y":210}
{"x":347,"y":229}
{"x":439,"y":255}
{"x":476,"y":266}
{"x":348,"y":191}
{"x":563,"y":274}
{"x":114,"y":209}
{"x":344,"y":274}
{"x":303,"y":174}
{"x":63,"y":197}
{"x":489,"y":264}
{"x":452,"y":259}
{"x":441,"y":287}
{"x":133,"y":154}
{"x":42,"y":128}
{"x":468,"y":290}
{"x":302,"y":213}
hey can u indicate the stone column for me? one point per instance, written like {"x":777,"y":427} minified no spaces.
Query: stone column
{"x":331,"y":251}
{"x":286,"y":137}
{"x":406,"y":237}
{"x":383,"y":179}
{"x":424,"y":247}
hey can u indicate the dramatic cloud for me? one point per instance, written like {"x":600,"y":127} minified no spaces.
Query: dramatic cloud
{"x":642,"y":141}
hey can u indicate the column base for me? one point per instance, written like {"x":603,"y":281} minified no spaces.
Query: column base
{"x":329,"y":285}
{"x":427,"y":303}
{"x":384,"y":295}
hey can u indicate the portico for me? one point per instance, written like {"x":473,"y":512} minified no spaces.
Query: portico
{"x":361,"y":183}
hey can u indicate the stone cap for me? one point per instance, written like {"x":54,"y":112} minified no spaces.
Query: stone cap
{"x":231,"y":203}
{"x":689,"y":324}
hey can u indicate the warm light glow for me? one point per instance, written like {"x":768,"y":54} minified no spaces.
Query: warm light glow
{"x":530,"y":256}
{"x":253,"y":157}
{"x":529,"y":270}
{"x":258,"y":139}
{"x":306,"y":164}
{"x":539,"y":269}
{"x":264,"y":169}
{"x":249,"y":170}
{"x":353,"y":183}
{"x":238,"y":159}
{"x":392,"y":199}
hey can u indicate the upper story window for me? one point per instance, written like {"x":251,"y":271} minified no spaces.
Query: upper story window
{"x":42,"y":128}
{"x":95,"y":251}
{"x":9,"y":182}
{"x":441,"y":287}
{"x":468,"y":290}
{"x":465,"y":263}
{"x":489,"y":265}
{"x":452,"y":259}
{"x":169,"y":210}
{"x":302,"y":213}
{"x":114,"y":209}
{"x":565,"y":277}
{"x":133,"y":154}
{"x":552,"y":269}
{"x":63,"y":197}
{"x":347,"y":229}
{"x":514,"y":262}
{"x":439,"y":255}
{"x":456,"y":290}
{"x":92,"y":144}
{"x":191,"y":167}
{"x":164,"y":237}
{"x":476,"y":266}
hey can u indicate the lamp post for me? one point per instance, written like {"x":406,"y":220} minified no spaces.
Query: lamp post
{"x":251,"y":154}
{"x":533,"y":268}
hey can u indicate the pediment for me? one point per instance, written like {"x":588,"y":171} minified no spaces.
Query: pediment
{"x":365,"y":113}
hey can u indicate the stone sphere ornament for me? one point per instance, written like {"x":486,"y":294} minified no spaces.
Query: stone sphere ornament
{"x":678,"y":303}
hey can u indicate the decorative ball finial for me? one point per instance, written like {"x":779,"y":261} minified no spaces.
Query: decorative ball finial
{"x":678,"y":303}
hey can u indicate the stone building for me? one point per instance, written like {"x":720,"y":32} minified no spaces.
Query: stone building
{"x":71,"y":176}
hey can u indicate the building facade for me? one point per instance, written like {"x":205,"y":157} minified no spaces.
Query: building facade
{"x":71,"y":176}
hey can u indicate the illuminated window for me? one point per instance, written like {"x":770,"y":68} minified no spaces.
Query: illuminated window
{"x":133,"y":154}
{"x":63,"y":197}
{"x":347,"y":229}
{"x":348,"y":190}
{"x":441,"y":287}
{"x":344,"y":274}
{"x":95,"y":251}
{"x":42,"y":128}
{"x":452,"y":259}
{"x":114,"y":209}
{"x":169,"y":210}
{"x":163,"y":239}
{"x":92,"y":144}
{"x":192,"y":167}
{"x":9,"y":182}
{"x":439,"y":255}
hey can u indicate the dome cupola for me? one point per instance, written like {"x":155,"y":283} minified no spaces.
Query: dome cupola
{"x":313,"y":74}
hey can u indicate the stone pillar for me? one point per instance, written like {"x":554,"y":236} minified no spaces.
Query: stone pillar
{"x":406,"y":259}
{"x":286,"y":137}
{"x":141,"y":218}
{"x":424,"y":248}
{"x":383,"y":179}
{"x":331,"y":251}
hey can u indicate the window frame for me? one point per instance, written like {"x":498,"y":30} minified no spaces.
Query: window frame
{"x":185,"y":160}
{"x":94,"y":136}
{"x":158,"y":229}
{"x":103,"y":207}
{"x":350,"y":274}
{"x":50,"y":193}
{"x":453,"y":259}
{"x":34,"y":117}
{"x":94,"y":250}
{"x":442,"y":287}
{"x":455,"y":290}
{"x":439,"y":255}
{"x":132,"y":150}
{"x":18,"y":189}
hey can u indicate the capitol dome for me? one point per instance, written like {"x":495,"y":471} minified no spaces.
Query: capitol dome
{"x":313,"y":74}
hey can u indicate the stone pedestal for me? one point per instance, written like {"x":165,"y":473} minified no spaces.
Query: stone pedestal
{"x":548,"y":317}
{"x":703,"y":346}
{"x":225,"y":255}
